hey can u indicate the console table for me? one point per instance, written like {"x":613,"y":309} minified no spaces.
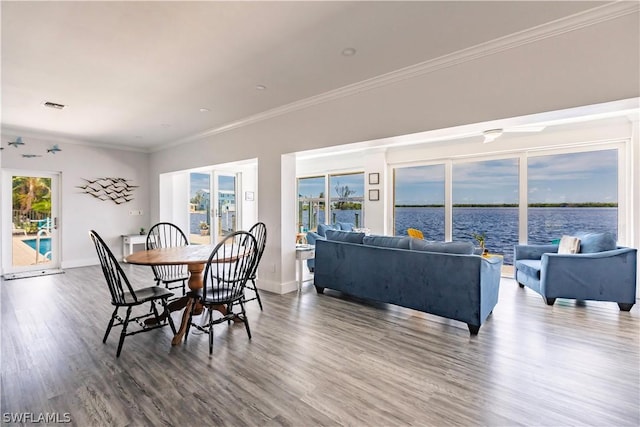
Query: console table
{"x":303,"y":252}
{"x":128,"y":240}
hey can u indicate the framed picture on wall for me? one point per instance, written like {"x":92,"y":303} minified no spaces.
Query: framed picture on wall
{"x":374,"y":178}
{"x":374,"y":195}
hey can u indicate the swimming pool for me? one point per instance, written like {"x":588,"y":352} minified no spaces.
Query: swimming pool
{"x":45,"y":244}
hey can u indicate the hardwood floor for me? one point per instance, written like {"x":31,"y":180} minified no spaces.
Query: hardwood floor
{"x":319,"y":360}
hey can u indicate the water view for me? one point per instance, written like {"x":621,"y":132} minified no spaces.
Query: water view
{"x":501,"y":224}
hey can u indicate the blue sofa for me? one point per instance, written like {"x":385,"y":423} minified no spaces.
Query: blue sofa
{"x":321,"y":234}
{"x":444,"y":279}
{"x":601,"y":271}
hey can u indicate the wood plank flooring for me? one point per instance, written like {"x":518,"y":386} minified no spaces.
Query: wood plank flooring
{"x":319,"y":360}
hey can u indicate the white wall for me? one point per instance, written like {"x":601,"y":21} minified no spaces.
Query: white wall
{"x":588,"y":65}
{"x":81,"y":212}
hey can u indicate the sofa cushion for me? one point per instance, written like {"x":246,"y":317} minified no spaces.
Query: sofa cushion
{"x":530,"y":267}
{"x":345,"y":236}
{"x":398,"y":242}
{"x":322,"y":228}
{"x":596,"y":242}
{"x":463,"y":248}
{"x":344,"y":226}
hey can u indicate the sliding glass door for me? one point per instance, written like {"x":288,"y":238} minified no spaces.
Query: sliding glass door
{"x":419,"y":200}
{"x":564,"y":193}
{"x":572,"y":192}
{"x":485,"y":204}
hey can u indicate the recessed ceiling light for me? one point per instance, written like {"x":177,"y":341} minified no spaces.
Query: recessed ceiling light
{"x":204,"y":110}
{"x":261,"y":87}
{"x":349,"y":51}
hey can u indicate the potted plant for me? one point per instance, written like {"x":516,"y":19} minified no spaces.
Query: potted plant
{"x":481,"y":238}
{"x":142,"y":233}
{"x":204,"y":228}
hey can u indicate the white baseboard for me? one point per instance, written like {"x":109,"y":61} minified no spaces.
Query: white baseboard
{"x":86,"y":262}
{"x":277,"y":287}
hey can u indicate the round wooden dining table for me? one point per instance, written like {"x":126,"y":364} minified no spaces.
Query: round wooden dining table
{"x":195,"y":257}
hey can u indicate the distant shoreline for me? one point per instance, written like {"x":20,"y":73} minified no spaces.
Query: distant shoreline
{"x":515,"y":205}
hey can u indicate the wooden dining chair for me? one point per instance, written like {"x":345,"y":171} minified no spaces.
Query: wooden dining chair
{"x":228,"y":269}
{"x":259,"y":232}
{"x":123,"y":295}
{"x":167,"y":235}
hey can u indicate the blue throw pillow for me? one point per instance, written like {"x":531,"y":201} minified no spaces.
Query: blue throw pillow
{"x":596,"y":242}
{"x":344,"y":236}
{"x":345,"y":226}
{"x":322,"y":229}
{"x":462,"y":248}
{"x":397,"y":242}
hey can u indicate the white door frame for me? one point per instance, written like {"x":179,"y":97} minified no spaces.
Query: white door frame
{"x":7,"y":227}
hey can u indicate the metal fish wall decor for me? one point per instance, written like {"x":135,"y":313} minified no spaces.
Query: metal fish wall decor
{"x":118,"y":190}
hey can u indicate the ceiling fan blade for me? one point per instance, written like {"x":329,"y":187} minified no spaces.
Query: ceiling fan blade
{"x":534,"y":128}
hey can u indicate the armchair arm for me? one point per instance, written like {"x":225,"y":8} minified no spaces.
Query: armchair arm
{"x":533,"y":251}
{"x":312,"y":237}
{"x":603,"y":276}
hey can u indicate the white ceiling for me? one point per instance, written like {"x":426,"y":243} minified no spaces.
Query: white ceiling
{"x":136,"y":74}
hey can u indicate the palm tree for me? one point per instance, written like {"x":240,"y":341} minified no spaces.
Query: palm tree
{"x":31,"y":193}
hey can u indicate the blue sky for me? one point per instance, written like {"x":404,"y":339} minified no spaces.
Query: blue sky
{"x":312,"y":187}
{"x":575,"y":177}
{"x":200,"y":181}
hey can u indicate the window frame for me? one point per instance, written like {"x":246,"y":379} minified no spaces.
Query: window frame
{"x":327,"y":199}
{"x":622,"y":145}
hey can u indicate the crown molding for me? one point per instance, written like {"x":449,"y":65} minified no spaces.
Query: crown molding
{"x":544,"y":31}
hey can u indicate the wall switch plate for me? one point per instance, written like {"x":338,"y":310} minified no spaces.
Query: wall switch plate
{"x":135,"y":213}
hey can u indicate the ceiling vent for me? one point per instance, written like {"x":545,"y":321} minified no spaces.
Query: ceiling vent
{"x":53,"y":105}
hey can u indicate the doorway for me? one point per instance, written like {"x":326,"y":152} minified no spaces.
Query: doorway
{"x":214,"y":208}
{"x":31,"y":218}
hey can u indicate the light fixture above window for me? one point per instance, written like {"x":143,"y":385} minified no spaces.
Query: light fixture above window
{"x":491,"y":135}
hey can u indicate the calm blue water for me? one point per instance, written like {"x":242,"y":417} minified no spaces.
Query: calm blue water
{"x":45,"y":244}
{"x":194,"y":221}
{"x":501,"y":224}
{"x":195,"y":217}
{"x":340,"y":216}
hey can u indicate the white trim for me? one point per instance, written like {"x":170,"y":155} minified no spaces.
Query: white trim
{"x":548,"y":30}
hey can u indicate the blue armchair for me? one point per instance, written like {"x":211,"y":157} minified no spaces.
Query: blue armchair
{"x":312,"y":236}
{"x":604,"y":275}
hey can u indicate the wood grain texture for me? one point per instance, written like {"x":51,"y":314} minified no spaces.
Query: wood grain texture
{"x":192,"y":254}
{"x":325,"y":360}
